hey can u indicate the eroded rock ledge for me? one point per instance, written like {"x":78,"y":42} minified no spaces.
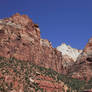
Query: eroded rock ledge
{"x":20,"y":38}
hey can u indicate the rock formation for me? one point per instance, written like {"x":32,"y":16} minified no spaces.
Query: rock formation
{"x":86,"y":55}
{"x":21,"y":76}
{"x":20,"y":38}
{"x":22,"y":45}
{"x":69,"y":54}
{"x":69,"y":51}
{"x":82,"y":69}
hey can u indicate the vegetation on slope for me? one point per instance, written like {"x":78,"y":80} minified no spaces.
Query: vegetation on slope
{"x":21,"y":72}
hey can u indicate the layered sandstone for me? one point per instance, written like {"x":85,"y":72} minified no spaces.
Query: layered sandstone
{"x":82,"y":69}
{"x":20,"y":38}
{"x":21,"y":76}
{"x":69,"y":51}
{"x":69,"y":55}
{"x":86,"y":55}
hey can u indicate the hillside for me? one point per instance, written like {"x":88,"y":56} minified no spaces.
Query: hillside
{"x":20,"y":38}
{"x":29,"y":63}
{"x":22,"y":76}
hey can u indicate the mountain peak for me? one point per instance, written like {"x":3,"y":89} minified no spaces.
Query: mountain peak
{"x":69,"y":51}
{"x":20,"y":38}
{"x":90,"y":40}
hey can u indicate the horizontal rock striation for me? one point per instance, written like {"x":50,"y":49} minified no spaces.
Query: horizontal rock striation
{"x":82,"y":69}
{"x":20,"y":38}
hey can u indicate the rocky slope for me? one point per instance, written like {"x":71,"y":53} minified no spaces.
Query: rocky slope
{"x":20,"y":38}
{"x":69,"y":54}
{"x":69,"y":51}
{"x":82,"y":69}
{"x":22,"y":76}
{"x":78,"y":61}
{"x":29,"y":63}
{"x":86,"y":55}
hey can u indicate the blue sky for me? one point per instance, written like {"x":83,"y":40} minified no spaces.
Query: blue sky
{"x":68,"y":21}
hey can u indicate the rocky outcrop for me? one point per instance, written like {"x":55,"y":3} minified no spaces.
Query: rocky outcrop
{"x":82,"y":69}
{"x":25,"y":51}
{"x":50,"y":85}
{"x":20,"y":38}
{"x":69,"y":51}
{"x":21,"y":76}
{"x":69,"y":55}
{"x":86,"y":55}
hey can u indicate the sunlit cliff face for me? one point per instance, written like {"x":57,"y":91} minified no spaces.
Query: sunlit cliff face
{"x":69,"y":51}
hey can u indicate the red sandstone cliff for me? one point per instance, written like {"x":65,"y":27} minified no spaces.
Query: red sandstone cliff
{"x":82,"y":69}
{"x":20,"y":38}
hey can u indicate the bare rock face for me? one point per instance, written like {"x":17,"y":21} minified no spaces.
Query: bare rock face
{"x":20,"y":38}
{"x":88,"y":51}
{"x":69,"y":55}
{"x":69,"y":51}
{"x":83,"y":66}
{"x":50,"y":85}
